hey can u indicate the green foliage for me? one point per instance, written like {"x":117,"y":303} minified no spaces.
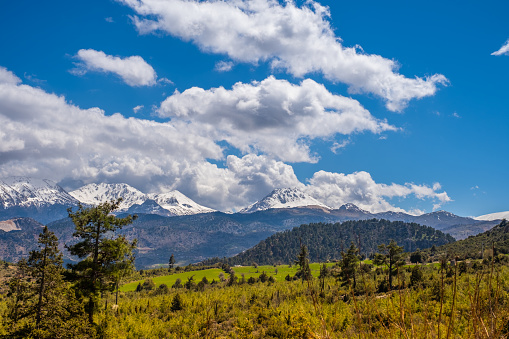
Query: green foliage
{"x":304,"y":272}
{"x":417,"y":257}
{"x":476,"y":247}
{"x":416,"y":277}
{"x":42,"y":304}
{"x":105,"y":259}
{"x":324,"y":241}
{"x":391,"y":256}
{"x":177,"y":284}
{"x":148,"y":285}
{"x":171,"y":262}
{"x":177,"y":303}
{"x":348,"y":265}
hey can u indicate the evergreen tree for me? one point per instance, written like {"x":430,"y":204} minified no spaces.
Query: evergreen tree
{"x":171,"y":263}
{"x":392,"y":256}
{"x":43,"y":305}
{"x":348,"y":265}
{"x":104,"y":256}
{"x":177,"y":304}
{"x":304,"y":272}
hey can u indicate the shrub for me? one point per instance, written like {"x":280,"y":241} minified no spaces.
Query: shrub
{"x":177,"y":304}
{"x":177,"y":284}
{"x":148,"y":285}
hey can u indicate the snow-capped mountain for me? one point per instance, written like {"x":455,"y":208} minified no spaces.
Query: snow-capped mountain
{"x":284,"y":198}
{"x":39,"y":199}
{"x":178,"y":204}
{"x":94,"y":194}
{"x":135,"y":201}
{"x":30,"y":192}
{"x":494,"y":216}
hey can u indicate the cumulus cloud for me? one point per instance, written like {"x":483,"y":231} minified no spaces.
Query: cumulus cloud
{"x":272,"y":116}
{"x":7,"y":77}
{"x":359,"y":188}
{"x":504,"y":50}
{"x":133,"y":70}
{"x":243,"y":181}
{"x":44,"y":136}
{"x":299,"y":40}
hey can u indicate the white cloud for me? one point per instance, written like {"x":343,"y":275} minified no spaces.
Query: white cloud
{"x":272,"y":116}
{"x":109,"y":19}
{"x":44,"y":136}
{"x":299,"y":40}
{"x":456,"y":115}
{"x":337,"y":146}
{"x":504,"y":50}
{"x":165,"y":81}
{"x":242,"y":182}
{"x":7,"y":77}
{"x":359,"y":188}
{"x":133,"y":70}
{"x":137,"y":108}
{"x":224,"y":66}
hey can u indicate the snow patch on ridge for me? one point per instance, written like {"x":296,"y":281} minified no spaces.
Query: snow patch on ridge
{"x":174,"y":202}
{"x":284,"y":198}
{"x":30,"y":192}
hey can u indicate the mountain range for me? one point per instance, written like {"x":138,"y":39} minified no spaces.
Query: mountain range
{"x":169,"y":222}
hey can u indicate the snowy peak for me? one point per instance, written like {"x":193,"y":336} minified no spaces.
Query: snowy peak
{"x":493,"y":216}
{"x":178,"y":204}
{"x":30,"y":192}
{"x":94,"y":194}
{"x":352,"y":208}
{"x":284,"y":198}
{"x":170,"y":203}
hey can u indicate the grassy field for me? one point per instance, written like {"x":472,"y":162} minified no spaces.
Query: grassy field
{"x":278,"y":272}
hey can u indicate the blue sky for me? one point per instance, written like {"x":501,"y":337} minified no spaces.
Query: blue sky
{"x":389,"y":106}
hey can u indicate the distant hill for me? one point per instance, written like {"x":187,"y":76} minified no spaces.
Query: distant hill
{"x":18,"y":237}
{"x":472,"y":247}
{"x":326,"y":241}
{"x":194,"y":238}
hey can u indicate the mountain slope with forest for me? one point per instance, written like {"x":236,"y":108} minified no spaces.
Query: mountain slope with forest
{"x":325,"y":241}
{"x":474,"y":246}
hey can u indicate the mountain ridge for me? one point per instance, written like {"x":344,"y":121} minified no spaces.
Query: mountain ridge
{"x":284,"y":198}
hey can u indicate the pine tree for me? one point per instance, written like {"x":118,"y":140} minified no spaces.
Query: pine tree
{"x":348,"y":265}
{"x":105,"y":258}
{"x":44,"y":306}
{"x":304,"y":272}
{"x":392,"y":255}
{"x":171,"y":263}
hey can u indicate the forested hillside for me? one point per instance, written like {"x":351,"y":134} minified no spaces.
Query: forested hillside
{"x":474,"y":247}
{"x":325,"y":241}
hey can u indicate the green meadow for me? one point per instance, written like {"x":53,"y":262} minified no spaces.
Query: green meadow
{"x":278,"y":272}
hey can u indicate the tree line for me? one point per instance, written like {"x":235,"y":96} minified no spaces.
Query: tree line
{"x":326,"y":241}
